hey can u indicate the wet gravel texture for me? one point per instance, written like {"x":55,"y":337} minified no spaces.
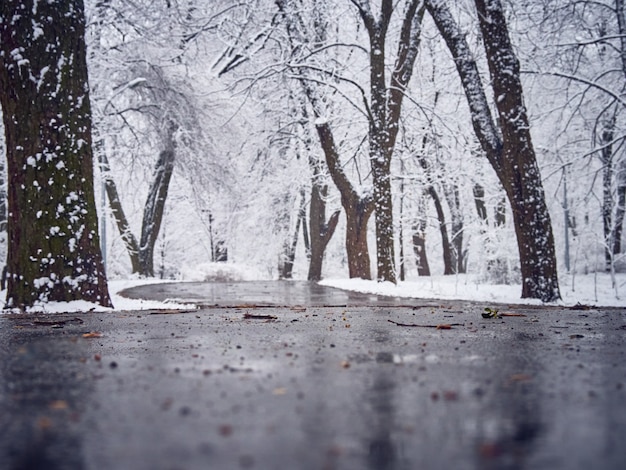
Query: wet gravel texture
{"x":314,"y":387}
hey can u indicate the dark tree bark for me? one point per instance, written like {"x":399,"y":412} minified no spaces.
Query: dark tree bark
{"x":479,"y":200}
{"x":285,"y":269}
{"x":54,"y":252}
{"x":419,"y":249}
{"x":385,"y":109}
{"x":155,"y":204}
{"x":451,"y":192}
{"x":142,"y":253}
{"x":620,"y":211}
{"x":447,"y":252}
{"x":607,"y":133}
{"x":419,"y":242}
{"x":509,"y":149}
{"x":445,"y":241}
{"x":358,"y":209}
{"x":320,"y":230}
{"x":117,"y":211}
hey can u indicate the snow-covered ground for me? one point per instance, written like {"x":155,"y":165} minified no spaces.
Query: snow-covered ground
{"x":120,"y":303}
{"x":590,"y":289}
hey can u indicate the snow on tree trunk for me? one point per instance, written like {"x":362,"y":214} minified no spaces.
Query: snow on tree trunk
{"x":509,"y":149}
{"x":54,"y":252}
{"x":521,"y":177}
{"x":385,"y":109}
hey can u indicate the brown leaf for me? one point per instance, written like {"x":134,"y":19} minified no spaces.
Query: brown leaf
{"x":517,"y":378}
{"x":58,"y":405}
{"x":92,"y":334}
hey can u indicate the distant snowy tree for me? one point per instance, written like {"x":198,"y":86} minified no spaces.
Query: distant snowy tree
{"x":54,"y":252}
{"x":152,"y":114}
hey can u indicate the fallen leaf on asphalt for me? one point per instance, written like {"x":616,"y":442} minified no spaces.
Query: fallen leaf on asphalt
{"x":443,"y":326}
{"x":92,"y":334}
{"x":494,"y":313}
{"x":518,"y":378}
{"x":44,"y":423}
{"x":489,"y":450}
{"x":171,"y":311}
{"x":252,"y":316}
{"x":345,"y":364}
{"x":58,"y":405}
{"x":226,"y":430}
{"x":279,"y":391}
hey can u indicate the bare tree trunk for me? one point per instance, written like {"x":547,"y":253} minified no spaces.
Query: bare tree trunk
{"x":451,"y":192}
{"x":607,"y":132}
{"x":155,"y":204}
{"x":509,"y":150}
{"x":419,"y":242}
{"x":358,"y":209}
{"x":130,"y":242}
{"x":619,"y":220}
{"x":620,"y":210}
{"x":385,"y":108}
{"x":54,"y":252}
{"x":479,"y":200}
{"x":445,"y":241}
{"x":285,"y":269}
{"x":321,"y":231}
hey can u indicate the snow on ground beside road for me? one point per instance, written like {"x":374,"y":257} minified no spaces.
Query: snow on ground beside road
{"x":589,"y":289}
{"x":119,"y":303}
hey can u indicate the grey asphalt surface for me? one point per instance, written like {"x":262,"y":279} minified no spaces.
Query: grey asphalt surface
{"x":295,"y":376}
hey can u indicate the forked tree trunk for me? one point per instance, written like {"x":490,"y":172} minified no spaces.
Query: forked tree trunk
{"x":155,"y":204}
{"x":384,"y":113}
{"x":142,"y":254}
{"x":117,"y":211}
{"x":54,"y":252}
{"x":358,"y":209}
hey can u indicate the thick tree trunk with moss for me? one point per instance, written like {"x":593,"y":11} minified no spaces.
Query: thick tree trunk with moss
{"x":54,"y":252}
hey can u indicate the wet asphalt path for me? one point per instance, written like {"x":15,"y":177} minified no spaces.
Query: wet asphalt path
{"x":305,"y":385}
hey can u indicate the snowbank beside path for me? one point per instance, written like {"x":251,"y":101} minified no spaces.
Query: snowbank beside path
{"x":590,"y":289}
{"x":119,"y":303}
